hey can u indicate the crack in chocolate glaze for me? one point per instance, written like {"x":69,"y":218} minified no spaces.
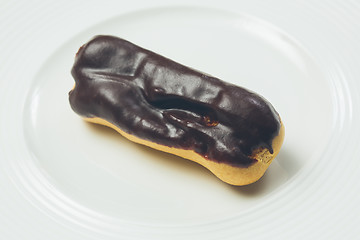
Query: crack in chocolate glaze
{"x":159,"y":100}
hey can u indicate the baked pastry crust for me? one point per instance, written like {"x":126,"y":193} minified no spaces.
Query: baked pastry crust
{"x":237,"y":176}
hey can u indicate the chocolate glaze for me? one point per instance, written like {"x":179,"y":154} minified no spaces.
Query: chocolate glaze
{"x":159,"y":100}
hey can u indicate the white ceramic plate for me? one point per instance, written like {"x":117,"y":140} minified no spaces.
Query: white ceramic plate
{"x":62,"y":178}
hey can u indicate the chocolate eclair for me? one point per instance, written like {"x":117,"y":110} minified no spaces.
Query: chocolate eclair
{"x":154,"y":101}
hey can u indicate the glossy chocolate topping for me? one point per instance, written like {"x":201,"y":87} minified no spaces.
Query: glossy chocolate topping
{"x":159,"y":100}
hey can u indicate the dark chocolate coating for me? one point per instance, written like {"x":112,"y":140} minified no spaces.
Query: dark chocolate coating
{"x":159,"y":100}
